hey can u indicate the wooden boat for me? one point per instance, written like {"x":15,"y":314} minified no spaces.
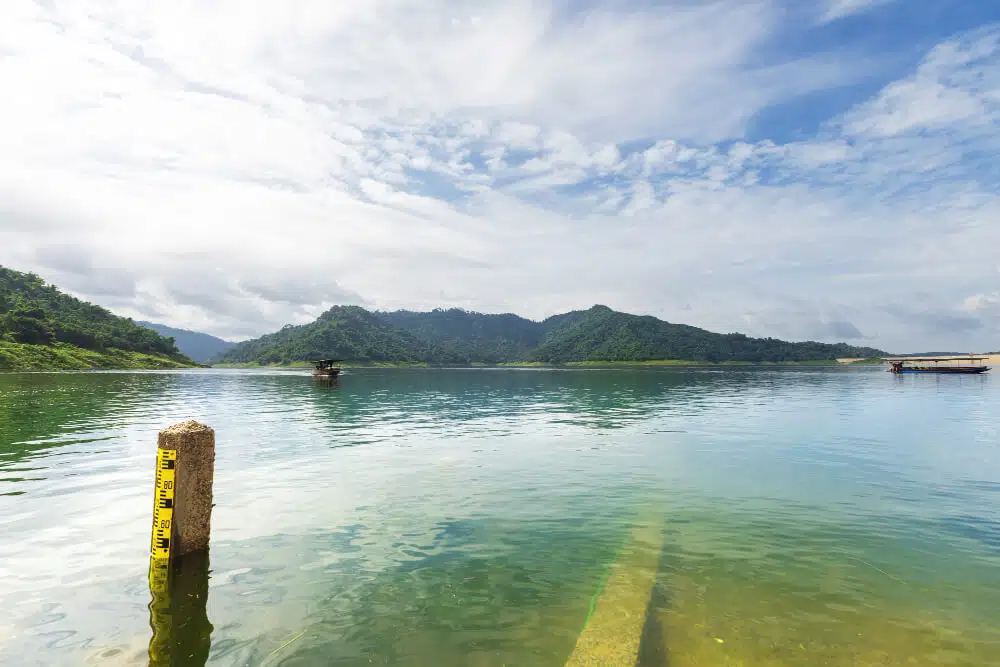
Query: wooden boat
{"x":326,"y":368}
{"x":968,"y":365}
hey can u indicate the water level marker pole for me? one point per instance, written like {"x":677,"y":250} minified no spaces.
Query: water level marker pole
{"x":193,"y":446}
{"x":182,"y":514}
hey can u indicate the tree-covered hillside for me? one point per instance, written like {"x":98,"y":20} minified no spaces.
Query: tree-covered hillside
{"x":461,"y":337}
{"x":602,"y":334}
{"x":33,"y":313}
{"x":470,"y":337}
{"x":343,"y":332}
{"x":40,"y":327}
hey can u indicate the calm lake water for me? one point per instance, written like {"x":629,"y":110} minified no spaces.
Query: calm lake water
{"x":470,"y":517}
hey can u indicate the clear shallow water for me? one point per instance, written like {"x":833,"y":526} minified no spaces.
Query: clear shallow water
{"x":426,"y":517}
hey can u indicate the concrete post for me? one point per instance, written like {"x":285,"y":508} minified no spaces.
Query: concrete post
{"x":195,"y":468}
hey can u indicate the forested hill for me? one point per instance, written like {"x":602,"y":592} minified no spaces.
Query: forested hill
{"x":602,"y":334}
{"x":470,"y":337}
{"x":460,"y":337}
{"x":343,"y":332}
{"x":40,"y":322}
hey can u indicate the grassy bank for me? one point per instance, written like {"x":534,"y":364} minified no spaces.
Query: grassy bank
{"x":65,"y":357}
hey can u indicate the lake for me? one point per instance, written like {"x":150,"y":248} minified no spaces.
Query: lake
{"x":487,"y":517}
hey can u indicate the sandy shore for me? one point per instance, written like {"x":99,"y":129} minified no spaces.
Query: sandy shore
{"x":992,"y":360}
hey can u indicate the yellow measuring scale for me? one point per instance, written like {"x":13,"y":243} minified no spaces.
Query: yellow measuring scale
{"x":160,"y":614}
{"x":163,"y":503}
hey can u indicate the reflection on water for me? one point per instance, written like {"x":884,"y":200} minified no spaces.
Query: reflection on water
{"x":181,"y":631}
{"x":414,"y":516}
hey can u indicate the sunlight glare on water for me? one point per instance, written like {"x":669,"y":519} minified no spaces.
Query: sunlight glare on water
{"x":472,"y":517}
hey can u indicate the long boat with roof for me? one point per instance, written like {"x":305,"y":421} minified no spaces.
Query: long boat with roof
{"x":967,"y":365}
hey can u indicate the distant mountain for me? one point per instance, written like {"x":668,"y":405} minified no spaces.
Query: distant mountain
{"x":199,"y":346}
{"x":459,"y":337}
{"x":43,"y":328}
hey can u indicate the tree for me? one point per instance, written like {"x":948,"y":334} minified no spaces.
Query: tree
{"x":27,"y":329}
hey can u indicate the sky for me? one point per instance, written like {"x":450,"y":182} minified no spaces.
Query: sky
{"x":802,"y":169}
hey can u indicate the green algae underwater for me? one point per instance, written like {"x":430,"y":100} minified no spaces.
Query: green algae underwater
{"x":514,"y":517}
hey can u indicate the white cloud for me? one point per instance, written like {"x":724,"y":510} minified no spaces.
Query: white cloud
{"x":956,"y":87}
{"x":980,"y":302}
{"x":838,"y":9}
{"x":241,"y":166}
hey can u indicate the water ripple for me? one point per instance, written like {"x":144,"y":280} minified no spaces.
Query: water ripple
{"x":420,"y":516}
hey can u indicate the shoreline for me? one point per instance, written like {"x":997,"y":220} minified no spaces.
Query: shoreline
{"x":301,"y":365}
{"x":19,"y":357}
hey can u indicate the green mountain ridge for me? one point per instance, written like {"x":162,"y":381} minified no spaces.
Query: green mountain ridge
{"x":459,"y":337}
{"x":41,"y":328}
{"x":466,"y":337}
{"x":344,"y":332}
{"x":602,"y":334}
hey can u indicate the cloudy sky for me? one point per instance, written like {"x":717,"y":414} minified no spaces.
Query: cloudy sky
{"x":822,"y":169}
